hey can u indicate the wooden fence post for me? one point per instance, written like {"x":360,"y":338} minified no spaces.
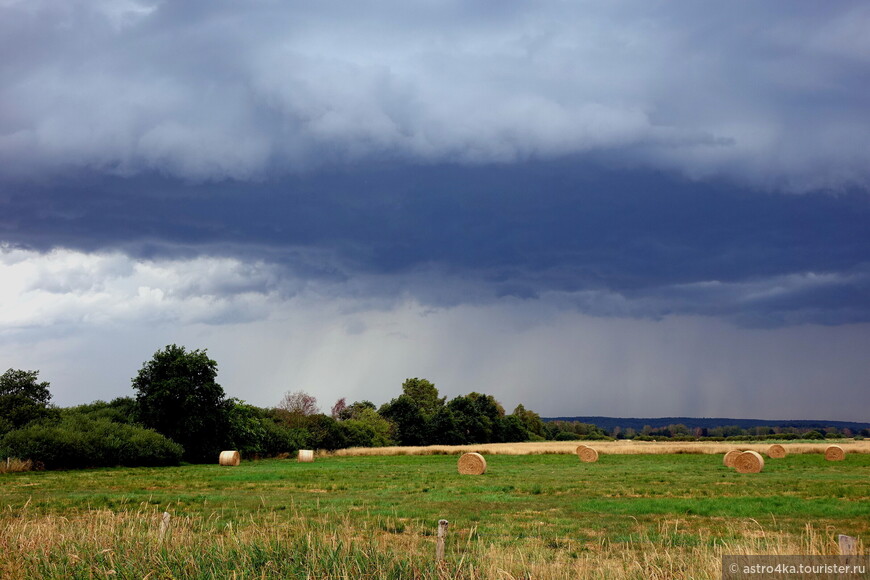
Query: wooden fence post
{"x":848,"y":547}
{"x":164,"y":525}
{"x":442,"y":535}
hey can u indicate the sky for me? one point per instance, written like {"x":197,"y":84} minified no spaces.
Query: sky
{"x":627,"y":208}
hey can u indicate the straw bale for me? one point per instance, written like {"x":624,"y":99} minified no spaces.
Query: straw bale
{"x":776,"y":451}
{"x":472,"y":464}
{"x":587,"y":454}
{"x":729,"y":458}
{"x":835,"y":453}
{"x":749,"y":462}
{"x":229,"y":458}
{"x":305,"y":456}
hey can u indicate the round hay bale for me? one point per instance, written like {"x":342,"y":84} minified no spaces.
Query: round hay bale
{"x":776,"y":451}
{"x":729,"y":458}
{"x":835,"y":453}
{"x":749,"y":462}
{"x":305,"y":456}
{"x":229,"y":458}
{"x":587,"y":454}
{"x":472,"y":464}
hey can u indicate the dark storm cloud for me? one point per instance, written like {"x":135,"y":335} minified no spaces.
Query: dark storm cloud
{"x":769,"y":94}
{"x":617,"y":158}
{"x":338,"y":195}
{"x":614,"y":244}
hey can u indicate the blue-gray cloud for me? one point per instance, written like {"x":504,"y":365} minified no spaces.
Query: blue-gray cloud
{"x":639,"y":244}
{"x":587,"y":200}
{"x":769,"y":94}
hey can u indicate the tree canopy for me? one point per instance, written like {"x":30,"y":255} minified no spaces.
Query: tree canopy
{"x":23,"y":398}
{"x":299,"y":403}
{"x":424,"y":395}
{"x":176,"y":394}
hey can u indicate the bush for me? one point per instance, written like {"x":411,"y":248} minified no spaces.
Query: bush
{"x":566,"y":436}
{"x":80,"y":441}
{"x":281,"y":439}
{"x":325,"y":433}
{"x":247,"y":434}
{"x":787,"y":436}
{"x":601,"y":437}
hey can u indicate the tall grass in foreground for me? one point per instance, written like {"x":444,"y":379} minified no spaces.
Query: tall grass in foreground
{"x":622,"y":447}
{"x":128,"y":544}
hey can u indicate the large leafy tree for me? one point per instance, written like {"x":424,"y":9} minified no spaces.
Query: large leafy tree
{"x":23,"y":398}
{"x":531,"y":421}
{"x":411,"y":425}
{"x":176,"y":394}
{"x":368,"y":429}
{"x":477,"y":417}
{"x":354,"y":410}
{"x":424,"y":394}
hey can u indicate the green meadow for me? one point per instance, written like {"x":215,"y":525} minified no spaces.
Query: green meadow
{"x":539,"y":516}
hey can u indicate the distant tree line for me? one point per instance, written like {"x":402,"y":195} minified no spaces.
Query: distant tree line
{"x":680,"y":432}
{"x":180,"y":413}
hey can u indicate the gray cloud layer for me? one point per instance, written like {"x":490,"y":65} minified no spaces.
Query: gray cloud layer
{"x":633,"y":244}
{"x":768,"y":94}
{"x":456,"y":152}
{"x":561,"y":200}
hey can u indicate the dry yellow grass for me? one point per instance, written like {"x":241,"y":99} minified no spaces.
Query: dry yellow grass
{"x":15,"y":465}
{"x":98,"y":544}
{"x":623,"y":447}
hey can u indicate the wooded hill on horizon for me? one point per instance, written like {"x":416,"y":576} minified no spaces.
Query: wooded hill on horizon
{"x":638,"y":423}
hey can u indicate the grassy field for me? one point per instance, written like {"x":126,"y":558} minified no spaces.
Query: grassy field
{"x":530,"y":516}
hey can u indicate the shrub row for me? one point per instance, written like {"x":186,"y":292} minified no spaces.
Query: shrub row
{"x":83,"y":441}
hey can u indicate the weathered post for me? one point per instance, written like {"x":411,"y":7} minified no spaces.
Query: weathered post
{"x":848,"y":547}
{"x":442,"y":536}
{"x":164,"y":525}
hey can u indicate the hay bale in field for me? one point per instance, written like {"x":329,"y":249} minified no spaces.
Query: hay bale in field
{"x":587,"y":454}
{"x":776,"y":451}
{"x":472,"y":464}
{"x":729,"y":458}
{"x":229,"y":458}
{"x":749,"y":462}
{"x":835,"y":453}
{"x":305,"y":456}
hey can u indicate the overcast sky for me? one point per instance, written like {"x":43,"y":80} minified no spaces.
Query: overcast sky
{"x":591,"y":208}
